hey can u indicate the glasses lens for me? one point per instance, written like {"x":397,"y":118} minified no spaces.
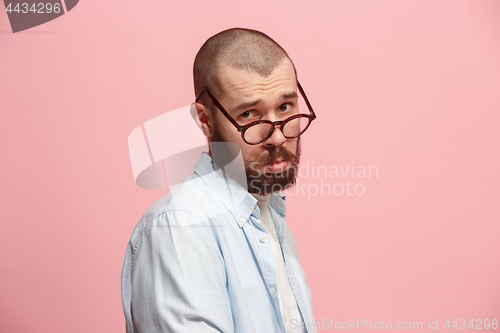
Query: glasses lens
{"x":296,"y":127}
{"x":257,"y":133}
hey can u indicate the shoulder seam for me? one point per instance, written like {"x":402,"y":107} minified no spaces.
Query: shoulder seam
{"x":139,"y":237}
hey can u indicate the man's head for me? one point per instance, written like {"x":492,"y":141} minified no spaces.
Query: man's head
{"x":239,"y":48}
{"x":253,"y":78}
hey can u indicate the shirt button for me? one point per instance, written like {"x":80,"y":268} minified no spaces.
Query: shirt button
{"x":272,"y":291}
{"x":263,"y":239}
{"x":254,"y":211}
{"x":241,"y":220}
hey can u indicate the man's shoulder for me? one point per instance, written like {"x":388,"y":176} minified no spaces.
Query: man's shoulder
{"x":188,"y":204}
{"x":190,"y":197}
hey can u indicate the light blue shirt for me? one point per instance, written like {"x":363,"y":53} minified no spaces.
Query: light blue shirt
{"x":199,"y":261}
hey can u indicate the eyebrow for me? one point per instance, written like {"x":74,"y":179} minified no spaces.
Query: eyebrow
{"x":250,"y":104}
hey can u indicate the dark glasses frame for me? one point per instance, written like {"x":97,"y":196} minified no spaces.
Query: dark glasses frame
{"x":281,"y":123}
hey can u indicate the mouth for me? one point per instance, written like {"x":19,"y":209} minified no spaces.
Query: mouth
{"x":277,"y":166}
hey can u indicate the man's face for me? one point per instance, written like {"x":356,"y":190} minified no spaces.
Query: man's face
{"x":270,"y":165}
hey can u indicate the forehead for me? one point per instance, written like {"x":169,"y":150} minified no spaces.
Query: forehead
{"x":239,"y":84}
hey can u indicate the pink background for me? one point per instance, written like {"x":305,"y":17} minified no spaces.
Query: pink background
{"x":411,"y":87}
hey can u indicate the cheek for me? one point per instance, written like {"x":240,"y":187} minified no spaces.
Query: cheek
{"x":231,"y":134}
{"x":249,"y":153}
{"x":291,"y":145}
{"x":226,"y":128}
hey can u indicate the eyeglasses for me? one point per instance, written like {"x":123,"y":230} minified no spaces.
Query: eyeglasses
{"x":259,"y":131}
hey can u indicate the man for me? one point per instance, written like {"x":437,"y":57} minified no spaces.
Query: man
{"x":216,"y":255}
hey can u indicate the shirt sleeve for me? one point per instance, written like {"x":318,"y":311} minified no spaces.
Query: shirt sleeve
{"x":179,"y":278}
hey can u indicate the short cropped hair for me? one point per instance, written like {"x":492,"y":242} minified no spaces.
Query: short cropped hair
{"x":239,"y":48}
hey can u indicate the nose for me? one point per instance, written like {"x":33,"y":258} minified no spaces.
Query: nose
{"x":276,"y":139}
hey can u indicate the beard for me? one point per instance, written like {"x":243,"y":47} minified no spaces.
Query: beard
{"x":265,"y":182}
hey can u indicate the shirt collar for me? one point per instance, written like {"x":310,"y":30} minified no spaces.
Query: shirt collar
{"x":277,"y":201}
{"x":232,"y":195}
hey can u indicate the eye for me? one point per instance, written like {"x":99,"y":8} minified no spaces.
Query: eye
{"x":247,"y":114}
{"x":285,"y":107}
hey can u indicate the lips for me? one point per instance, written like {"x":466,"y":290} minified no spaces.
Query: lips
{"x":275,"y":160}
{"x":277,"y":166}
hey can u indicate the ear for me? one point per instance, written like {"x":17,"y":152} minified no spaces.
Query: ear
{"x":202,"y":118}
